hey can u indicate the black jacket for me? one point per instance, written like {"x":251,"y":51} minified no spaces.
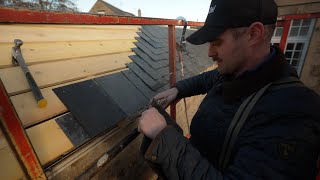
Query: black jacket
{"x":280,"y":140}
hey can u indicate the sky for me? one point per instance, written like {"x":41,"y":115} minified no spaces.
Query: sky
{"x":192,"y":10}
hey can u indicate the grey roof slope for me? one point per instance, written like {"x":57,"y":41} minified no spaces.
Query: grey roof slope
{"x":151,"y":63}
{"x":99,"y":104}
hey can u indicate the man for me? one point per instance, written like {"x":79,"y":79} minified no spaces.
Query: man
{"x":280,"y":135}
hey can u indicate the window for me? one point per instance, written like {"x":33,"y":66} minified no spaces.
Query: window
{"x":297,"y":43}
{"x":293,"y":53}
{"x":101,"y":12}
{"x":278,"y":31}
{"x":300,"y":27}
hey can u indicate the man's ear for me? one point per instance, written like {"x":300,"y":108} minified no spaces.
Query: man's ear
{"x":256,"y":33}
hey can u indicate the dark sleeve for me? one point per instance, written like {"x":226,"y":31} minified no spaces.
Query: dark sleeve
{"x":259,"y":155}
{"x":196,"y":85}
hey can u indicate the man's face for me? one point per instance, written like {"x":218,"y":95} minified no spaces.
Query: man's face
{"x":229,"y":53}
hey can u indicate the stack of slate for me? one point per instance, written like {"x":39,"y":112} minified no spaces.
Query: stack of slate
{"x":97,"y":105}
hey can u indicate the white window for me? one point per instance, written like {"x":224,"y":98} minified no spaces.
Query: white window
{"x":101,"y":12}
{"x":298,"y":41}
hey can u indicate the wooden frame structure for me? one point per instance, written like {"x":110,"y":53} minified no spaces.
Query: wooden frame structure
{"x":10,"y":122}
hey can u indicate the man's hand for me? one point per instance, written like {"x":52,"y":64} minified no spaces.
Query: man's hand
{"x":151,"y":123}
{"x":169,"y":96}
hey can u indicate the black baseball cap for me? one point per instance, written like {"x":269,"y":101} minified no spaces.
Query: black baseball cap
{"x":224,"y":14}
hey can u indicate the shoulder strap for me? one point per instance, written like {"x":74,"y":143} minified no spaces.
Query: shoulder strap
{"x":242,"y":113}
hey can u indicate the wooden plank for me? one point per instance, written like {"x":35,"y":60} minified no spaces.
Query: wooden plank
{"x":56,"y":51}
{"x":48,"y":141}
{"x":50,"y":74}
{"x":127,"y":165}
{"x":3,"y":141}
{"x":9,"y":166}
{"x":28,"y":111}
{"x":51,"y":33}
{"x":76,"y":163}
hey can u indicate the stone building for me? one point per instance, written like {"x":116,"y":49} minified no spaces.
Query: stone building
{"x":303,"y":45}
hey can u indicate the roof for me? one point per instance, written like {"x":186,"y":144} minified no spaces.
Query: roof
{"x":108,"y":99}
{"x":102,"y":74}
{"x":111,"y":10}
{"x":151,"y":63}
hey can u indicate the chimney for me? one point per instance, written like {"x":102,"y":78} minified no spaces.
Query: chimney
{"x":139,"y":12}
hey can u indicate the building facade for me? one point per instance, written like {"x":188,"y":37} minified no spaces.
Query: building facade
{"x":303,"y":44}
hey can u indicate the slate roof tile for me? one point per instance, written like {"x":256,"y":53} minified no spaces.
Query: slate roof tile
{"x":150,"y":47}
{"x":93,"y":108}
{"x":154,"y":73}
{"x":152,"y":83}
{"x":147,"y":75}
{"x":73,"y":129}
{"x":149,"y":60}
{"x":123,"y":92}
{"x":150,"y":40}
{"x":139,"y":84}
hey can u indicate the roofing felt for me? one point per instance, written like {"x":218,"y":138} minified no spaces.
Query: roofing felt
{"x":100,"y":103}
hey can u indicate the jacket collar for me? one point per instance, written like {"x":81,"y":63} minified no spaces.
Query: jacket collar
{"x":234,"y":89}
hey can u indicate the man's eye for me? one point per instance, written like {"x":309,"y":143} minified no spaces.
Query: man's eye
{"x":216,"y":42}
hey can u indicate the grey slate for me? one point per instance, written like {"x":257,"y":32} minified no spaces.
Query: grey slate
{"x":156,"y":51}
{"x":123,"y":92}
{"x":149,"y":40}
{"x":155,"y":74}
{"x":152,"y":55}
{"x":91,"y":106}
{"x":161,"y":42}
{"x":73,"y":129}
{"x":153,"y":84}
{"x":154,"y":64}
{"x":139,"y":84}
{"x":154,"y":30}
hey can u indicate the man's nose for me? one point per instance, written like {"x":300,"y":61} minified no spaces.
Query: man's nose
{"x":212,"y":51}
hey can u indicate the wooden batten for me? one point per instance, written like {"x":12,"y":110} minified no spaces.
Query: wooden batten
{"x":50,"y":74}
{"x":49,"y":141}
{"x":61,"y":33}
{"x":9,"y":165}
{"x":42,"y":52}
{"x":77,"y":163}
{"x":3,"y":142}
{"x":28,"y":110}
{"x":56,"y":55}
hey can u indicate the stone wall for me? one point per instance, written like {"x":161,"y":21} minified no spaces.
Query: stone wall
{"x":311,"y":70}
